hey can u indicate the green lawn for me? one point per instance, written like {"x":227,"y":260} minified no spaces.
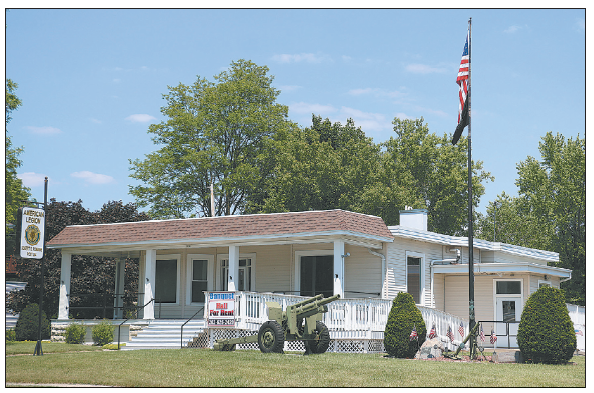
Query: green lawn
{"x":207,"y":368}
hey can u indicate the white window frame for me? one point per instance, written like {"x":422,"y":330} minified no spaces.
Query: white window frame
{"x":421,"y":256}
{"x":189,"y":275}
{"x":218,"y":274}
{"x":177,"y":257}
{"x":547,"y":282}
{"x":306,"y":253}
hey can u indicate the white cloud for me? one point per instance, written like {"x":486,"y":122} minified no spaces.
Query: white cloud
{"x":44,"y":130}
{"x":140,"y":118}
{"x":93,"y":178}
{"x":304,"y":107}
{"x":368,"y":121}
{"x":514,"y":28}
{"x":425,"y":69}
{"x":31,"y":179}
{"x":301,"y":57}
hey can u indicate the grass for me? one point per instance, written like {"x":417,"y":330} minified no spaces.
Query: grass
{"x":207,"y":368}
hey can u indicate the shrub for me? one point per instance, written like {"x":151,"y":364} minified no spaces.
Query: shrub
{"x":103,"y":333}
{"x":75,"y":333}
{"x":10,"y":335}
{"x":28,"y":323}
{"x":404,"y":316}
{"x":546,"y":333}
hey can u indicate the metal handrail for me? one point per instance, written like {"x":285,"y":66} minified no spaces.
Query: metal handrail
{"x":506,"y":330}
{"x":125,"y":320}
{"x":181,"y":339}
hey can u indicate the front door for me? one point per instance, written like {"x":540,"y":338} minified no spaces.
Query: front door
{"x":508,"y":309}
{"x":316,"y":275}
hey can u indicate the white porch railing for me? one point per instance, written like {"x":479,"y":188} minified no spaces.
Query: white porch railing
{"x":346,"y":319}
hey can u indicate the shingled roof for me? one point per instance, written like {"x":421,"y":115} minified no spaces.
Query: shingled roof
{"x":225,"y":227}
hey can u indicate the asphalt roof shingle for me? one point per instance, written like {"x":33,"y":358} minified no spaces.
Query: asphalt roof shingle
{"x":223,"y":227}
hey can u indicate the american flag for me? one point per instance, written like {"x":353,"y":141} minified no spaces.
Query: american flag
{"x":461,"y":329}
{"x":493,"y":337}
{"x":578,"y":332}
{"x":432,"y":333}
{"x":463,"y":81}
{"x":482,"y":334}
{"x":450,"y":334}
{"x":413,"y":334}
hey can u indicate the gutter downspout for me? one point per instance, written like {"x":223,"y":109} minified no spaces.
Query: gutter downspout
{"x":383,"y":257}
{"x":441,"y":262}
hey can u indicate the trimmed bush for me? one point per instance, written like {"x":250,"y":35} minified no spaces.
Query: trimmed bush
{"x":103,"y":333}
{"x":10,"y":335}
{"x":404,"y":316}
{"x":546,"y":333}
{"x":75,"y":333}
{"x":28,"y":323}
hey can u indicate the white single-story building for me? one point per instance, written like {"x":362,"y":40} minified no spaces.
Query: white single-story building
{"x":306,"y":253}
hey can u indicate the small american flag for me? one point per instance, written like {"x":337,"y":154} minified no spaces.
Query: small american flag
{"x":578,"y":332}
{"x":482,"y":334}
{"x":432,"y":333}
{"x":450,"y":334}
{"x":413,"y":334}
{"x":461,"y":329}
{"x":463,"y":81}
{"x":493,"y":337}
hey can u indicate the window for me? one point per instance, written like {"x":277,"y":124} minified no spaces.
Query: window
{"x":316,"y":275}
{"x":543,"y":283}
{"x":413,"y":277}
{"x":244,"y":281}
{"x":199,"y":279}
{"x":166,"y":281}
{"x":508,"y":288}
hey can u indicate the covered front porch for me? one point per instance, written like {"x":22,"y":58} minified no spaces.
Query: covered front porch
{"x":305,"y":253}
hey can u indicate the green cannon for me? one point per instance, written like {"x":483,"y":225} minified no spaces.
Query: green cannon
{"x":300,"y":322}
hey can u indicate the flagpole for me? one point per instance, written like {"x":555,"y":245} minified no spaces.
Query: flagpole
{"x":470,"y":215}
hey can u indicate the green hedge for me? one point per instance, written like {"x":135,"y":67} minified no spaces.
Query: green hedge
{"x":404,"y":316}
{"x":103,"y":333}
{"x":27,"y":325}
{"x":546,"y":333}
{"x":75,"y":333}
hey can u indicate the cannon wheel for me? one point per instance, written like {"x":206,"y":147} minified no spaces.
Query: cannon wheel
{"x":271,"y":337}
{"x":321,"y":344}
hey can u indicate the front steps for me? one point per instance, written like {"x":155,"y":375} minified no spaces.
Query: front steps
{"x":165,"y":334}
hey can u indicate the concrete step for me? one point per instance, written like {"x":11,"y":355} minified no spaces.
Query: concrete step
{"x":165,"y":334}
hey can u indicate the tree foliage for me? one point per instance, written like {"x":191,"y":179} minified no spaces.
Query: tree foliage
{"x":15,"y":192}
{"x":215,"y":132}
{"x":91,"y":277}
{"x":27,"y":326}
{"x":549,"y":212}
{"x":436,"y":172}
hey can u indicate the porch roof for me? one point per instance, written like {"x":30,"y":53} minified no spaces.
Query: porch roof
{"x":247,"y":228}
{"x":496,"y":267}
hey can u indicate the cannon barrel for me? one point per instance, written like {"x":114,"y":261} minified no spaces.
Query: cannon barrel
{"x":312,"y":304}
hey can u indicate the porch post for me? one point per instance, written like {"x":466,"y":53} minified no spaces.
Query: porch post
{"x":63,"y":303}
{"x":150,"y":266}
{"x":118,"y":300}
{"x":339,"y":267}
{"x":233,"y":278}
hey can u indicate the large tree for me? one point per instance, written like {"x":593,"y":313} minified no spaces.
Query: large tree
{"x":437,"y":174}
{"x":15,"y":192}
{"x":91,"y":277}
{"x":325,"y":166}
{"x":550,"y":210}
{"x":215,"y":132}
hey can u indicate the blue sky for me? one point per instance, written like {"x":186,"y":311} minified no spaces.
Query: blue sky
{"x":91,"y":81}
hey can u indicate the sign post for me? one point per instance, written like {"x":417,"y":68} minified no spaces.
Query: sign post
{"x":32,"y":246}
